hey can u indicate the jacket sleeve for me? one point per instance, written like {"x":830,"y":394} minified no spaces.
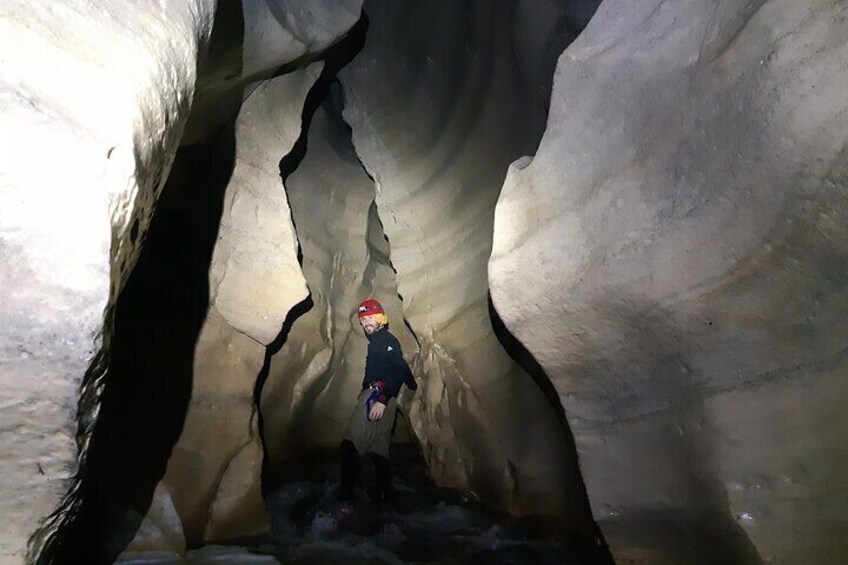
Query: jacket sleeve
{"x":398,"y":373}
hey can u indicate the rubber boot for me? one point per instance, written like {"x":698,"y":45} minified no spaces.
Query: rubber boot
{"x":349,"y":470}
{"x":384,"y":494}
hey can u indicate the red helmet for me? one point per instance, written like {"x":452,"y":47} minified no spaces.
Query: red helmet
{"x":369,"y":308}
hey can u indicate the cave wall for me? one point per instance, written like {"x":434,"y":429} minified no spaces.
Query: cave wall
{"x":254,"y":280}
{"x":685,"y":220}
{"x":278,"y":32}
{"x":316,"y":376}
{"x":213,"y":477}
{"x":438,"y":111}
{"x":673,"y":257}
{"x":97,"y":100}
{"x":255,"y":40}
{"x":72,"y":233}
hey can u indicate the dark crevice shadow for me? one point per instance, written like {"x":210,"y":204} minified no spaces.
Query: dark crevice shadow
{"x":148,"y":381}
{"x":524,"y":359}
{"x":528,"y":363}
{"x":218,"y":90}
{"x":335,"y":57}
{"x":135,"y":395}
{"x":269,"y":482}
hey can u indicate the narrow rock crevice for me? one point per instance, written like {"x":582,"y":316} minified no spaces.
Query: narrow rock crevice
{"x":635,"y":331}
{"x":345,"y":259}
{"x":334,"y":59}
{"x":516,"y":350}
{"x":384,"y":255}
{"x":147,"y":380}
{"x":438,"y":114}
{"x":315,"y":372}
{"x":268,"y":483}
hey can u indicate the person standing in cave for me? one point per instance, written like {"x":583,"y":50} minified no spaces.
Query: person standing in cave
{"x":369,"y":429}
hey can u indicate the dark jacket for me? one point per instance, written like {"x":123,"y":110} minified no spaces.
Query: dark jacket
{"x":384,"y":363}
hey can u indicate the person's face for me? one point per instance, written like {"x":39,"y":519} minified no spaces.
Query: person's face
{"x":369,"y":324}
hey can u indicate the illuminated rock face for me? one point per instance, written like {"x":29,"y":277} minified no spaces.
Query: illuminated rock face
{"x":685,"y":220}
{"x":277,"y":32}
{"x":438,"y":111}
{"x":673,"y":256}
{"x":255,"y":277}
{"x":254,"y":281}
{"x":214,"y":472}
{"x":92,"y":114}
{"x":219,"y":427}
{"x":256,"y":40}
{"x":315,"y":378}
{"x":110,"y":154}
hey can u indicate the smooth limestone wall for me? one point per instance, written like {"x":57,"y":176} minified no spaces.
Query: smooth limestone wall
{"x":685,"y":220}
{"x":214,"y":471}
{"x":213,"y":477}
{"x":439,"y":107}
{"x":94,"y":100}
{"x":108,"y":95}
{"x":673,"y":257}
{"x":315,"y":378}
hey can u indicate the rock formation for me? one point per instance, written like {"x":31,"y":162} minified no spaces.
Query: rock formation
{"x":438,"y":112}
{"x":253,"y":283}
{"x":685,"y":217}
{"x":151,"y":109}
{"x":94,"y":102}
{"x":314,"y":380}
{"x":662,"y":271}
{"x":214,"y":471}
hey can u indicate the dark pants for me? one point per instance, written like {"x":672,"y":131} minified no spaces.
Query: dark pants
{"x":350,"y":473}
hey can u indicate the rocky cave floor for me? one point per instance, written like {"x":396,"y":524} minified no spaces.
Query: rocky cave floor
{"x":423,"y":524}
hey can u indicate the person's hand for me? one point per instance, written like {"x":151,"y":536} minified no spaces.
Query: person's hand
{"x":377,"y":411}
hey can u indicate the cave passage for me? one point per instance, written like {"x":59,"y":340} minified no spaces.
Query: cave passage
{"x":314,"y":367}
{"x":309,"y":379}
{"x":339,"y":230}
{"x":611,"y":239}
